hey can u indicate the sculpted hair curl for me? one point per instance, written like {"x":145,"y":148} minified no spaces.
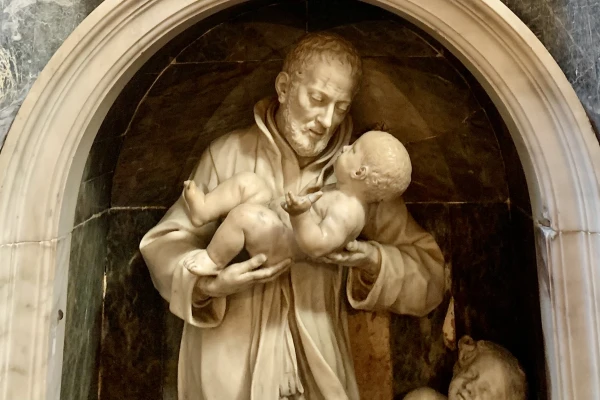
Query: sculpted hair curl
{"x":390,"y":166}
{"x":326,"y":47}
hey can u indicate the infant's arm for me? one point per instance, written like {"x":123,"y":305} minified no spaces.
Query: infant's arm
{"x":319,"y":233}
{"x":241,"y":188}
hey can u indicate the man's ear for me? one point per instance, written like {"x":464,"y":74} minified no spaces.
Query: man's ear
{"x":282,"y":86}
{"x":361,"y":173}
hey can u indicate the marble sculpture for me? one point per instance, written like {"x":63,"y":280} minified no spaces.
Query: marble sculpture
{"x":266,"y":329}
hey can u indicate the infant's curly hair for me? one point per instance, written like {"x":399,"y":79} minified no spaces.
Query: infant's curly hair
{"x":389,"y":166}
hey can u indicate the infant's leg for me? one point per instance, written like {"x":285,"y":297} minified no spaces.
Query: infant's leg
{"x":244,"y":187}
{"x":256,"y":228}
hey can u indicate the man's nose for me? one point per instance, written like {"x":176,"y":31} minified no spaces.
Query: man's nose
{"x":325,"y":118}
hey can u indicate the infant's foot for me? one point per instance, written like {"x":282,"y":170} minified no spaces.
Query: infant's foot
{"x":194,"y":200}
{"x":200,"y":263}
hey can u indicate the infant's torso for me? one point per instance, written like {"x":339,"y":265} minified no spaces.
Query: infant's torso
{"x":274,"y":235}
{"x":346,"y":210}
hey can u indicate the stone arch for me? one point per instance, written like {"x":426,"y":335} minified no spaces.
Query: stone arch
{"x":42,"y":162}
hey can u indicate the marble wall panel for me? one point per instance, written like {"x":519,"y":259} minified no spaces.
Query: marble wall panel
{"x":530,"y":347}
{"x":102,"y":158}
{"x":435,"y":219}
{"x":30,"y":33}
{"x":483,"y":256}
{"x":387,"y":38}
{"x":570,"y":30}
{"x":415,"y":98}
{"x":133,"y":325}
{"x":93,"y":198}
{"x":265,"y":33}
{"x":475,"y":161}
{"x":419,"y":355}
{"x":246,"y":11}
{"x":173,"y":329}
{"x":515,"y":176}
{"x":328,"y":14}
{"x":187,"y":108}
{"x":459,"y":167}
{"x":119,"y":116}
{"x":374,"y":31}
{"x":494,"y":283}
{"x":83,"y":317}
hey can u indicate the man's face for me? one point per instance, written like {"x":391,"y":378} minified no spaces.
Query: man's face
{"x":315,"y":105}
{"x":484,"y":379}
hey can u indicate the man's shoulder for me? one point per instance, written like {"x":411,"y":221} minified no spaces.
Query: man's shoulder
{"x":244,"y":139}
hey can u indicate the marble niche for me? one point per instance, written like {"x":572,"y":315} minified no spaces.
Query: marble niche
{"x":468,"y":189}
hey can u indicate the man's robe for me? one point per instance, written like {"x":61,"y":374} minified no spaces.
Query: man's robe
{"x":291,"y":332}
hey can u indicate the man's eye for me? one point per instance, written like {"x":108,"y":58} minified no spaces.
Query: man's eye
{"x":318,"y":99}
{"x":342,"y":108}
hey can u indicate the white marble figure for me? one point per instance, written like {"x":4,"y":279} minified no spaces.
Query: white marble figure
{"x":484,"y":371}
{"x":375,"y":168}
{"x":267,"y":331}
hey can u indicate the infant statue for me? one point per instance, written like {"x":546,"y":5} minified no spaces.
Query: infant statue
{"x":375,"y":168}
{"x":484,"y":371}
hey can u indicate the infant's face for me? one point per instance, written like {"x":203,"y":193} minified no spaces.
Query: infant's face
{"x":484,"y":379}
{"x":349,"y":161}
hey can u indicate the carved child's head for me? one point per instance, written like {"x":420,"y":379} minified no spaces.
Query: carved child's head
{"x":378,"y":163}
{"x":486,"y":371}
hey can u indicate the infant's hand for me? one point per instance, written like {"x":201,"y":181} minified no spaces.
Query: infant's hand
{"x":356,"y":254}
{"x":296,"y":205}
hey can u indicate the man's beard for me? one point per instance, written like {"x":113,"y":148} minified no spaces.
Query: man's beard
{"x":299,"y":137}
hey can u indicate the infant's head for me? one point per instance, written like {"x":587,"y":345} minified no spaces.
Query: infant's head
{"x":486,"y":371}
{"x":379,"y":162}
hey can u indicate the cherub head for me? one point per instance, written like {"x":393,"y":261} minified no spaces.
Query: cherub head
{"x":377,"y":165}
{"x":486,"y":371}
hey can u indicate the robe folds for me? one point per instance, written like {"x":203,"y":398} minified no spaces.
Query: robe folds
{"x":289,"y":334}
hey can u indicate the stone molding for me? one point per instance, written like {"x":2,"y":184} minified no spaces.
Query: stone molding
{"x":42,"y":161}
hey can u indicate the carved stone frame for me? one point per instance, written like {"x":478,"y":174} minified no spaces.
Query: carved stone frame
{"x":42,"y":162}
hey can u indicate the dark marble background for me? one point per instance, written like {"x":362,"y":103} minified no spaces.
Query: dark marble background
{"x":468,"y":190}
{"x":30,"y":33}
{"x":570,"y":30}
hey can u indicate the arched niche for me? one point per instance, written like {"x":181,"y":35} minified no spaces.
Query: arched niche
{"x":43,"y":158}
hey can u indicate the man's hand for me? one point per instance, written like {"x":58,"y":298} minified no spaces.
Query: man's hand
{"x":238,"y":277}
{"x":296,"y":205}
{"x":356,"y":254}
